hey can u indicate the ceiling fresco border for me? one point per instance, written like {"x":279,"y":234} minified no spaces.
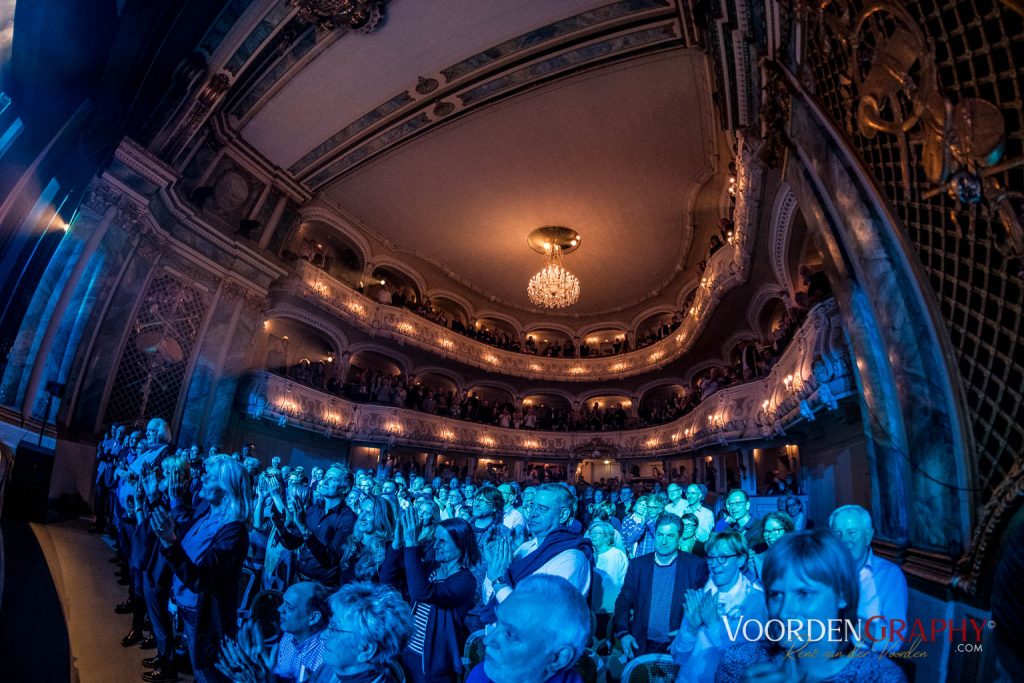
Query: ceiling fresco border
{"x":547,"y":34}
{"x":469,"y":96}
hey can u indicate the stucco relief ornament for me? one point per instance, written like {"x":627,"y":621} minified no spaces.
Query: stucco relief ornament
{"x":355,"y":15}
{"x":101,"y":197}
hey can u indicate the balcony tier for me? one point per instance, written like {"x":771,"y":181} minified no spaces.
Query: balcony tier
{"x":812,"y":375}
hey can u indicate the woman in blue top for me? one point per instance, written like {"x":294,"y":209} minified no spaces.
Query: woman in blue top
{"x":207,"y":560}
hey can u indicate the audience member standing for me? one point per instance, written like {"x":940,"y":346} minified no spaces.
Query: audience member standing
{"x":650,"y":605}
{"x":207,"y":561}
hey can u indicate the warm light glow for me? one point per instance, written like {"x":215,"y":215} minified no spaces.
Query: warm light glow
{"x":553,"y":286}
{"x":406,"y":328}
{"x":607,"y":462}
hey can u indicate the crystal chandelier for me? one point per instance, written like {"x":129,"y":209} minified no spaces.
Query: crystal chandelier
{"x":554,"y":286}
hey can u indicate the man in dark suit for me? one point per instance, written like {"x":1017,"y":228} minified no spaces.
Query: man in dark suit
{"x":649,"y":608}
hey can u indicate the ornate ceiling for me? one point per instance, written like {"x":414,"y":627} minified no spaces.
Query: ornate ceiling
{"x":456,"y":128}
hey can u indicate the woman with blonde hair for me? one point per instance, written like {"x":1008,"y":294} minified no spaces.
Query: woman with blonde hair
{"x":368,"y":553}
{"x":728,"y":596}
{"x":369,"y":626}
{"x":207,"y":558}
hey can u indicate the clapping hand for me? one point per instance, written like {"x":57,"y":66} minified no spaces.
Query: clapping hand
{"x":498,"y":558}
{"x":177,"y":485}
{"x":409,"y":526}
{"x":274,"y":491}
{"x":708,"y":609}
{"x":163,"y":525}
{"x":692,"y":602}
{"x":247,"y":660}
{"x":151,"y":486}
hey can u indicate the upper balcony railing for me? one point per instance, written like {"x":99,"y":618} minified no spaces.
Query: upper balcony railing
{"x":725,"y":269}
{"x":812,"y":375}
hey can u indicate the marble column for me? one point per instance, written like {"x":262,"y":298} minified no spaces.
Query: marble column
{"x":89,"y":233}
{"x":910,"y":394}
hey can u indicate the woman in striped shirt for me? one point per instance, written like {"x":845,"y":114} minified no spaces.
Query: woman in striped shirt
{"x":442,"y":593}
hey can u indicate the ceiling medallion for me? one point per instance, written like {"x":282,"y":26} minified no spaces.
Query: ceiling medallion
{"x":554,"y":286}
{"x":354,"y":15}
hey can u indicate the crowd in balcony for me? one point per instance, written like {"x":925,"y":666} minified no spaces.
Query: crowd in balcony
{"x":752,"y":360}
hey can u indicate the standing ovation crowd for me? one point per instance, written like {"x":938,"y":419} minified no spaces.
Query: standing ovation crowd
{"x":252,"y":573}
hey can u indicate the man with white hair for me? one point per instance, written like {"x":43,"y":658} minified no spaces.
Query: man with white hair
{"x":554,"y":549}
{"x":883,"y":587}
{"x":541,"y":631}
{"x":694,"y":505}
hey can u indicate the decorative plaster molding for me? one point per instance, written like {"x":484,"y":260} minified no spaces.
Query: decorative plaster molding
{"x":762,"y":296}
{"x":783,"y":213}
{"x":811,"y":376}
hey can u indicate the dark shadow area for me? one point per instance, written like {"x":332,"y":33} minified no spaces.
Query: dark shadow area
{"x":34,"y":645}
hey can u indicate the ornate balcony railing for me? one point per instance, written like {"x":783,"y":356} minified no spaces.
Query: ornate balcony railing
{"x":726,"y":268}
{"x":812,"y":375}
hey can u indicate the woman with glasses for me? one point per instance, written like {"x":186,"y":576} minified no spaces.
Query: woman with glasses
{"x":688,"y":542}
{"x":776,"y":525}
{"x":442,"y":589}
{"x":808,"y":575}
{"x":369,"y":626}
{"x":703,"y":635}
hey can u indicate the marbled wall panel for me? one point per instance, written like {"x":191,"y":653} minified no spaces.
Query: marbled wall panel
{"x":101,"y":365}
{"x":227,"y":383}
{"x":114,"y":251}
{"x":206,"y":368}
{"x":40,"y":310}
{"x":69,"y":334}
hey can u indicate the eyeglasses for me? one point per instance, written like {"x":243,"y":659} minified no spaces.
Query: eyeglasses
{"x":734,"y":503}
{"x":773,"y":532}
{"x":720,"y":559}
{"x":336,"y":631}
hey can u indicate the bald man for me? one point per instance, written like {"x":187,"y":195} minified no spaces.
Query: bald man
{"x":304,"y":614}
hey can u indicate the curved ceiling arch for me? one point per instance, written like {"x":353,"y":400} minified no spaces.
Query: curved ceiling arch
{"x":533,"y":328}
{"x":336,"y":336}
{"x":400,"y":359}
{"x":609,"y":325}
{"x":403,"y":268}
{"x":764,"y":295}
{"x":494,"y":384}
{"x":447,"y":373}
{"x":647,"y":387}
{"x":448,"y":295}
{"x":508,"y":319}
